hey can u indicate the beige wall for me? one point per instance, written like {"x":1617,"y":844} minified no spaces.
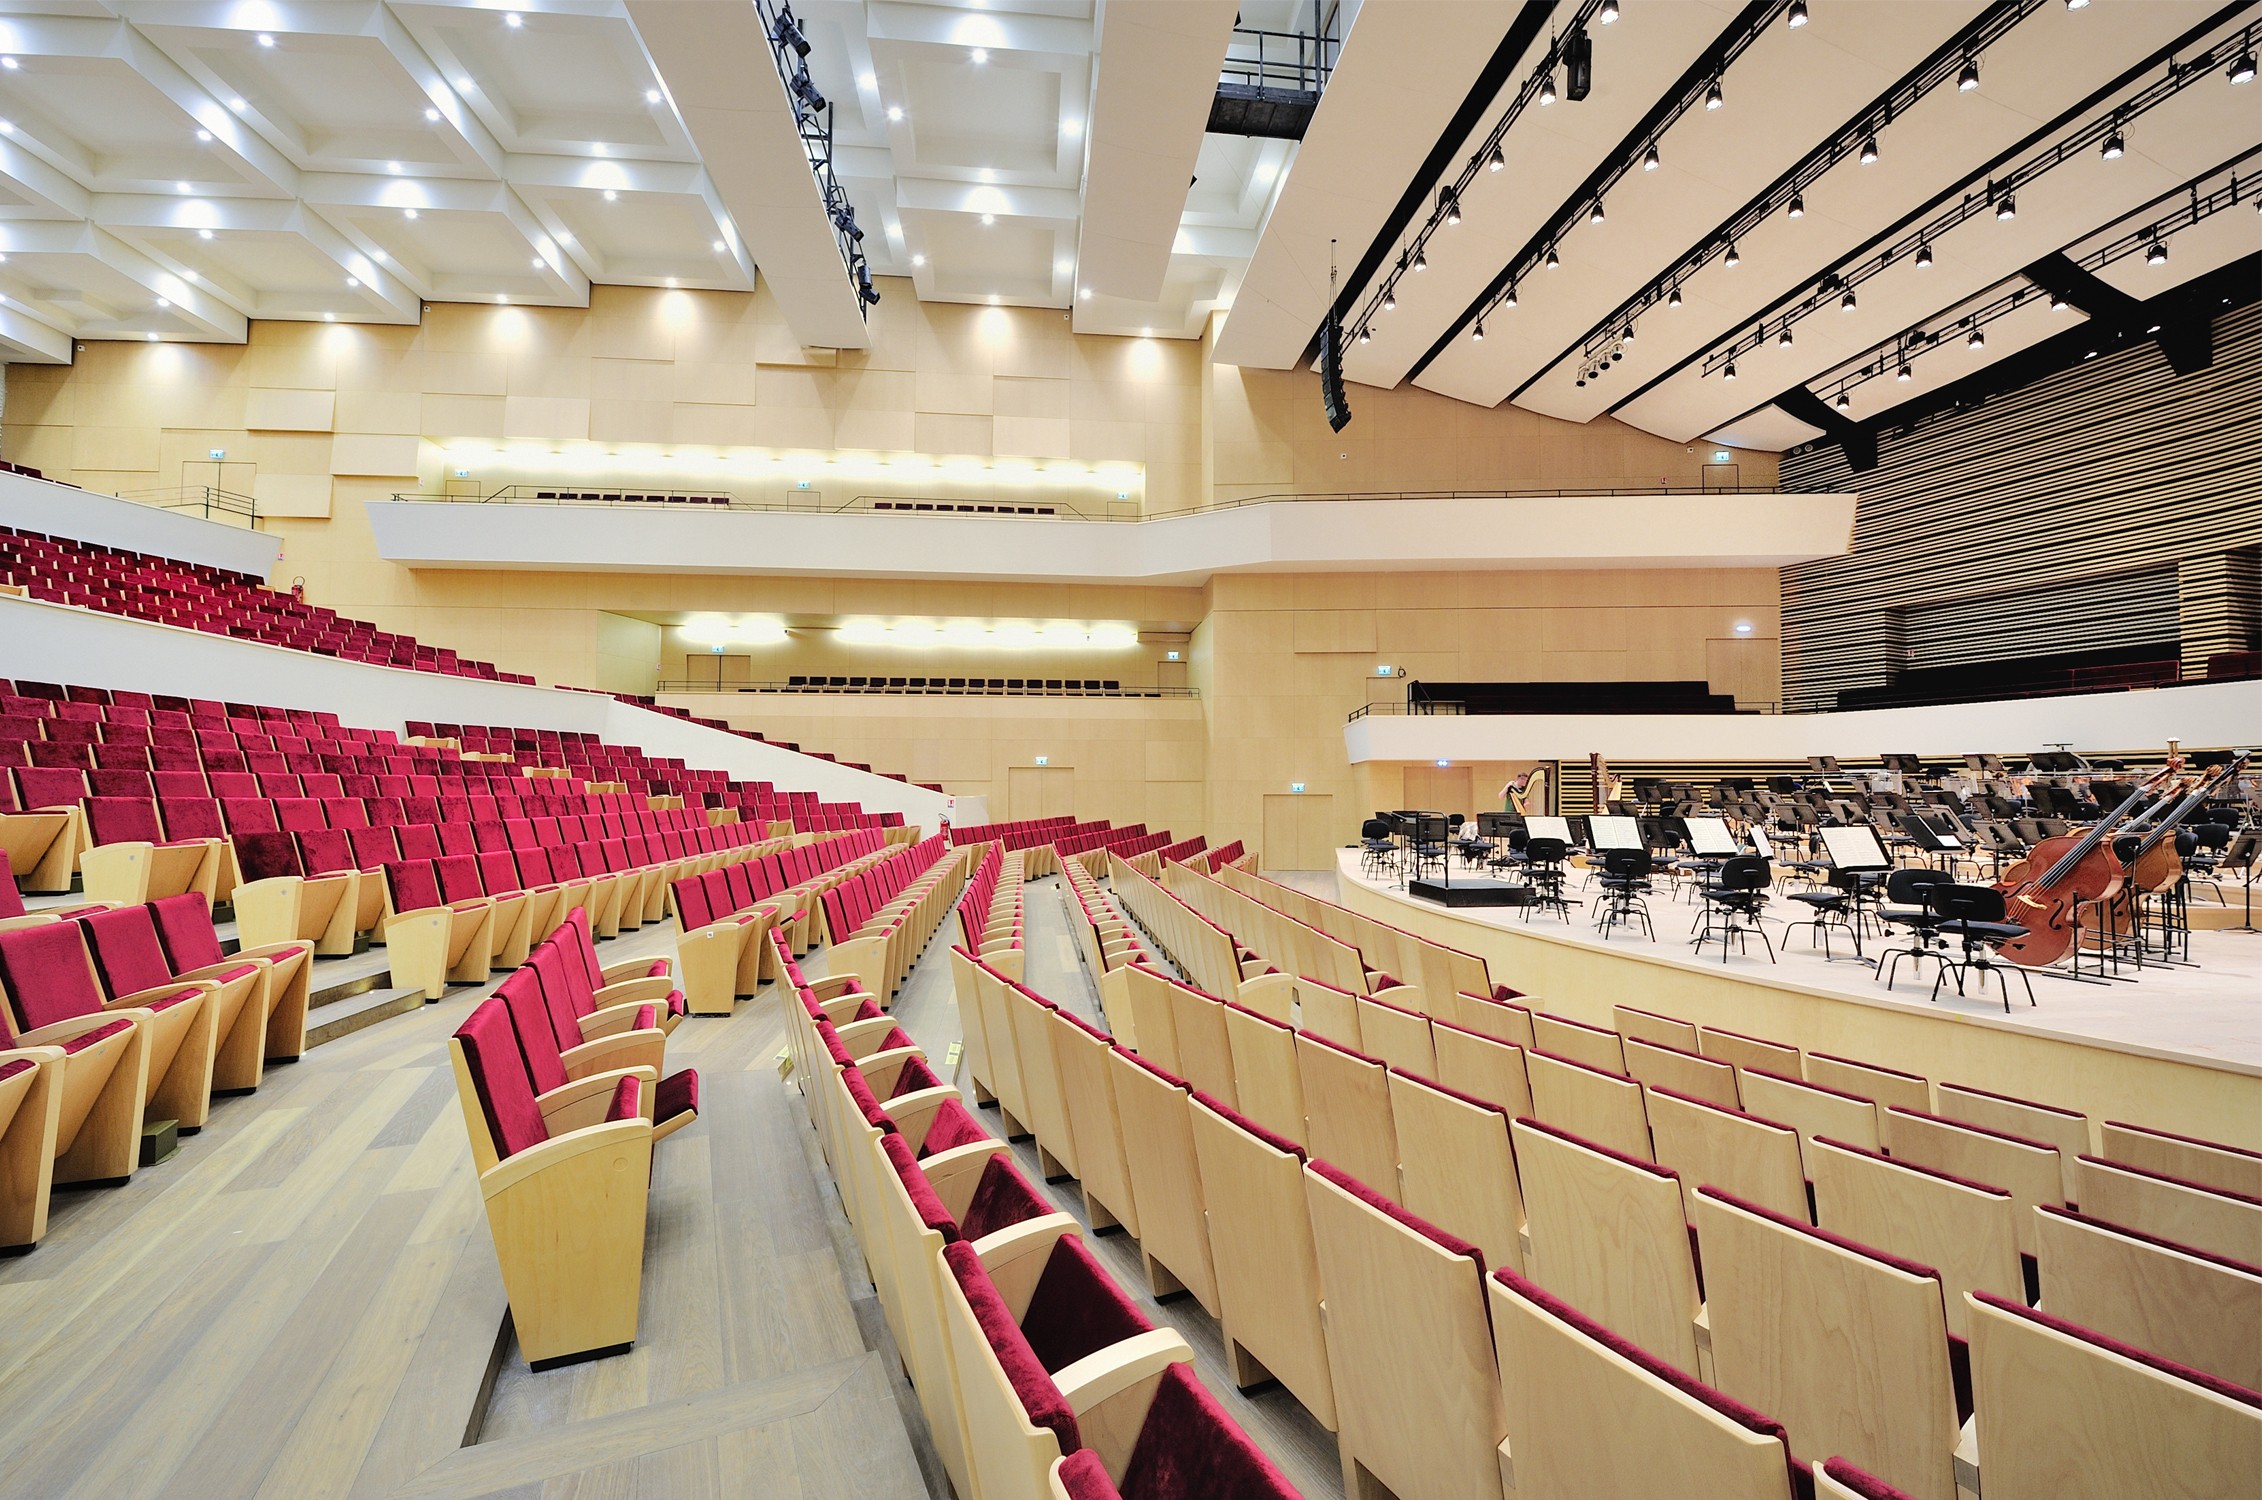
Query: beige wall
{"x":814,"y":649}
{"x":1135,"y":759}
{"x":628,"y":654}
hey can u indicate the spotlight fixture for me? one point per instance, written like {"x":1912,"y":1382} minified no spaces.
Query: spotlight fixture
{"x":790,"y":32}
{"x":514,"y":20}
{"x":1713,"y":98}
{"x":1978,"y":339}
{"x":1578,"y":65}
{"x":1547,"y":88}
{"x":1783,"y":339}
{"x":1421,"y":261}
{"x":1364,"y":336}
{"x":1868,"y":149}
{"x":2157,"y":255}
{"x":1968,"y":79}
{"x":1626,"y":336}
{"x":2242,"y":67}
{"x":2057,"y":302}
{"x":266,"y":40}
{"x":2077,"y":4}
{"x":1453,"y":209}
{"x":651,"y":96}
{"x":612,"y":195}
{"x":1553,"y":260}
{"x":895,"y":113}
{"x":408,"y":213}
{"x":1797,"y":207}
{"x":1733,"y":258}
{"x":1905,"y":373}
{"x":1498,"y":160}
{"x":1594,"y":214}
{"x":2114,"y":146}
{"x":1675,"y":299}
{"x":1649,"y":158}
{"x":1796,"y":15}
{"x":1730,"y":371}
{"x":1510,"y":299}
{"x":1390,"y":299}
{"x":1608,"y":13}
{"x":1477,"y":333}
{"x":1923,"y":256}
{"x":2008,"y":209}
{"x":1843,"y":403}
{"x":1580,"y":382}
{"x":980,"y":55}
{"x":1846,"y":303}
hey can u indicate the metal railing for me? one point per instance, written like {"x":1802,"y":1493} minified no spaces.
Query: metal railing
{"x":971,"y":687}
{"x":1445,"y":708}
{"x":209,"y":501}
{"x":1299,"y":60}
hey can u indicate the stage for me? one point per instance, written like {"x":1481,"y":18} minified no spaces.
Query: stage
{"x":2179,"y":1048}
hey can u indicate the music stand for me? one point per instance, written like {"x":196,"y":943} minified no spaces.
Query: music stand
{"x":2240,"y":857}
{"x":1609,"y":831}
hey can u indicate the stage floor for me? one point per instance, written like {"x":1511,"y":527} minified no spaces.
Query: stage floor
{"x":2210,"y":1009}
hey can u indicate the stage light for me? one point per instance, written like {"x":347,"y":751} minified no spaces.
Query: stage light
{"x":1733,"y":258}
{"x":2077,"y":4}
{"x":1649,"y":159}
{"x":1608,"y":13}
{"x":1923,"y":256}
{"x":1364,"y":336}
{"x":1730,"y":371}
{"x":1843,"y":403}
{"x":1498,"y":160}
{"x":1510,"y":299}
{"x":2057,"y":302}
{"x":268,"y":41}
{"x":1783,"y":339}
{"x":1553,"y":260}
{"x":1390,"y":299}
{"x":1627,"y":336}
{"x":1968,"y":79}
{"x":1547,"y":88}
{"x":2158,"y":254}
{"x":2242,"y":67}
{"x":1797,"y":206}
{"x":2007,"y":210}
{"x":1594,"y":215}
{"x":895,"y":113}
{"x":513,"y":20}
{"x":1421,"y":261}
{"x":1846,"y":303}
{"x":1868,"y":149}
{"x":981,"y":55}
{"x":1978,"y":339}
{"x":2114,"y":146}
{"x":1796,"y":15}
{"x":1713,"y":98}
{"x":1675,"y":299}
{"x":1906,"y":373}
{"x":1478,"y":333}
{"x":1453,"y":210}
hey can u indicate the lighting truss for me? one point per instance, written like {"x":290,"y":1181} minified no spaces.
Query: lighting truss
{"x":813,"y":122}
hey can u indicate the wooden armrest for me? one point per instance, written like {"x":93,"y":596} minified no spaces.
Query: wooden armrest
{"x":621,"y":1049}
{"x":1016,"y":1256}
{"x":1041,"y":1222}
{"x":916,"y":1102}
{"x":954,"y":1173}
{"x":44,"y":1055}
{"x":54,"y":1033}
{"x":140,"y":999}
{"x":841,"y":1009}
{"x":1107,"y":1373}
{"x":834,"y":985}
{"x":268,"y":953}
{"x":914,"y":1114}
{"x":627,"y":991}
{"x":869,"y":1033}
{"x":630,"y":968}
{"x":607,"y":1135}
{"x":615,"y":1018}
{"x":583,"y":1102}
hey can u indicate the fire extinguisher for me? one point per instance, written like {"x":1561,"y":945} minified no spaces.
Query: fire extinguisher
{"x":298,"y":590}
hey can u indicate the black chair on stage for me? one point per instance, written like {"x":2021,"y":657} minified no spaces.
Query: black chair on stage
{"x":1378,"y":852}
{"x":1471,"y":844}
{"x":1425,"y":845}
{"x":1625,"y":892}
{"x":1972,"y":915}
{"x":1733,"y":903}
{"x":2208,"y":841}
{"x":1833,"y":905}
{"x":1543,"y":872}
{"x":1906,"y":907}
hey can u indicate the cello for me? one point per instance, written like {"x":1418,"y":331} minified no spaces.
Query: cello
{"x":2042,"y":891}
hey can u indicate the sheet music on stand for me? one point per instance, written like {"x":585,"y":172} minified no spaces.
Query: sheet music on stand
{"x":1761,"y":844}
{"x":1710,"y":837}
{"x":1612,"y":832}
{"x":1933,"y":835}
{"x":1855,"y":848}
{"x":1542,"y":826}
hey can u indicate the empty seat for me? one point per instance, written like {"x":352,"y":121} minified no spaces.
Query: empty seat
{"x":54,"y":997}
{"x":192,"y":946}
{"x":1187,"y":1449}
{"x":2178,"y":1302}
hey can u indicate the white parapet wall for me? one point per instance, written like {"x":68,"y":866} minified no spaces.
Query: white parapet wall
{"x":2202,"y":714}
{"x":46,"y":642}
{"x":54,"y":509}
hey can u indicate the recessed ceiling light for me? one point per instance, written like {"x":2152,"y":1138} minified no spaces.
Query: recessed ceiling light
{"x":204,"y":234}
{"x":7,"y":127}
{"x":895,"y":112}
{"x":866,"y":81}
{"x":352,"y":282}
{"x":540,"y":264}
{"x":408,"y":213}
{"x":988,"y":219}
{"x":329,"y":317}
{"x":378,"y":256}
{"x":918,"y":260}
{"x":236,"y":103}
{"x":981,"y":55}
{"x":204,"y":135}
{"x":1085,"y":293}
{"x":987,"y":175}
{"x":513,"y":19}
{"x":651,"y":96}
{"x":393,"y":167}
{"x":611,"y":196}
{"x":431,"y":114}
{"x":265,"y":40}
{"x":9,"y":63}
{"x":500,"y":297}
{"x":719,"y":247}
{"x":164,"y":302}
{"x":151,"y":337}
{"x":181,"y":187}
{"x":1061,"y":267}
{"x":671,"y":281}
{"x":1072,"y":128}
{"x":993,"y":299}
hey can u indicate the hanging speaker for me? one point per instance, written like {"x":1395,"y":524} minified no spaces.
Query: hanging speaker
{"x":1578,"y":65}
{"x":1331,"y":373}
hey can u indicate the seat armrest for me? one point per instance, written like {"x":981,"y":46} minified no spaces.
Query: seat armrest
{"x":631,"y":969}
{"x":1107,"y":1373}
{"x":841,"y":1009}
{"x":621,"y":1049}
{"x":1016,"y":1256}
{"x":606,"y":1135}
{"x":55,"y":1033}
{"x":268,"y":953}
{"x":585,"y":1100}
{"x":832,"y":986}
{"x":954,"y":1173}
{"x":865,"y":1035}
{"x":140,"y":999}
{"x":626,"y":991}
{"x":613,"y":1018}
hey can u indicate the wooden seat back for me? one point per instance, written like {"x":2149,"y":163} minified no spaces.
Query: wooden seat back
{"x":1456,"y":1167}
{"x":1809,"y":1109}
{"x":1042,"y":1088}
{"x":1155,"y":1110}
{"x":2228,"y":1169}
{"x":1634,"y":1023}
{"x":1483,"y":1067}
{"x":1265,"y":1078}
{"x":1886,"y":1087}
{"x":2066,"y":1129}
{"x":1087,"y":1087}
{"x":1741,"y":1051}
{"x":2028,"y":1170}
{"x":1347,"y":1112}
{"x":2217,"y":1222}
{"x":1755,"y":1159}
{"x":2183,"y":1304}
{"x":1599,"y":1049}
{"x":1965,"y":1230}
{"x":1686,"y":1073}
{"x":1591,"y":1105}
{"x":1205,"y":1053}
{"x":1398,"y":1037}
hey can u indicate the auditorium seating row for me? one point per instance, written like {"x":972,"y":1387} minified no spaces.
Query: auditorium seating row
{"x":1434,"y":969}
{"x":724,"y":916}
{"x":1323,"y":1194}
{"x":878,"y":922}
{"x":1151,"y":861}
{"x":117,"y":1016}
{"x":1038,"y":1375}
{"x":195,"y":596}
{"x":647,"y":701}
{"x":990,"y":916}
{"x":1025,"y":834}
{"x":563,"y":1082}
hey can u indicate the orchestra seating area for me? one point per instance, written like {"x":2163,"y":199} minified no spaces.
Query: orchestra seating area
{"x":194,"y":596}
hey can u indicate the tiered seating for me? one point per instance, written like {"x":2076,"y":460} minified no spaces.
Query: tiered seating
{"x":1026,"y":834}
{"x":879,"y":919}
{"x":562,"y":1132}
{"x":1688,"y":1248}
{"x":1023,"y":1351}
{"x":989,"y":916}
{"x":726,"y":915}
{"x":195,"y":596}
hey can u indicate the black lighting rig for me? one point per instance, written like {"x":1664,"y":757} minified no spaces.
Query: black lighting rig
{"x":813,"y":122}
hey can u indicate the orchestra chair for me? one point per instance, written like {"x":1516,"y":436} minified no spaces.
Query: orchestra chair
{"x":1591,"y":1413}
{"x":2221,"y":1223}
{"x":1051,"y":1355}
{"x":2028,"y":1170}
{"x":31,"y":1118}
{"x":1966,"y":1230}
{"x":1610,"y":1237}
{"x":1625,"y":892}
{"x":1594,"y":1047}
{"x":1733,"y":902}
{"x":53,"y":994}
{"x":129,"y":861}
{"x":1188,"y":1448}
{"x":1347,"y":1119}
{"x":1589,"y":1103}
{"x":1457,"y":1166}
{"x":1156,"y":1111}
{"x":1543,"y":870}
{"x":1267,"y":1086}
{"x":668,"y":1101}
{"x":1973,"y":915}
{"x":2046,"y":1124}
{"x":276,"y":901}
{"x":1835,"y":1479}
{"x":1833,"y":906}
{"x":1658,"y":1066}
{"x":1419,"y":1416}
{"x":1905,"y":907}
{"x":565,"y":1178}
{"x":1080,"y":1054}
{"x":1267,"y":1268}
{"x":2226,"y":1169}
{"x":847,"y":1109}
{"x":2066,"y":1413}
{"x":42,"y":845}
{"x":1378,"y":853}
{"x":192,"y":947}
{"x":132,"y":963}
{"x":1756,"y":1159}
{"x":431,"y":942}
{"x":2179,"y":1302}
{"x":1810,"y":1109}
{"x":1805,"y":1324}
{"x":975,"y":1195}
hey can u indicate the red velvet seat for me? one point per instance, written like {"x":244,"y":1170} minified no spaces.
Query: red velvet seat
{"x":53,"y":996}
{"x":671,"y":1100}
{"x":132,"y":961}
{"x":1188,"y":1448}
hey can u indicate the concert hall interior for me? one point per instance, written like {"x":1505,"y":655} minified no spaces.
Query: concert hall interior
{"x":1130,"y":749}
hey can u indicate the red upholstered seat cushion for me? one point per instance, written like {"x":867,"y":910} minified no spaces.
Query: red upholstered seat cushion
{"x":1077,"y":1308}
{"x":628,"y":1099}
{"x":1189,"y":1449}
{"x":2228,"y":1390}
{"x":1002,"y":1197}
{"x":167,"y":1002}
{"x":1240,"y":1121}
{"x":126,"y":951}
{"x":530,"y":1022}
{"x":184,"y":925}
{"x":46,"y":974}
{"x":1031,"y":1381}
{"x":867,"y":1103}
{"x":86,"y":1039}
{"x":13,"y":1066}
{"x":678,"y":1095}
{"x":917,"y":1188}
{"x":11,"y":900}
{"x":659,"y":969}
{"x":498,"y":1072}
{"x":1862,"y":1482}
{"x":953,"y":1126}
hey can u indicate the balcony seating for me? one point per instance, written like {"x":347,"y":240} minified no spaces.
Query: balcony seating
{"x":53,"y":997}
{"x":565,"y":1177}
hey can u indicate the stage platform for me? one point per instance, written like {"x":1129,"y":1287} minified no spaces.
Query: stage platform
{"x":2179,"y":1048}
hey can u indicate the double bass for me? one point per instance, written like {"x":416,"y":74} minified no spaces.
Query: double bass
{"x":2155,"y":864}
{"x":2042,"y":891}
